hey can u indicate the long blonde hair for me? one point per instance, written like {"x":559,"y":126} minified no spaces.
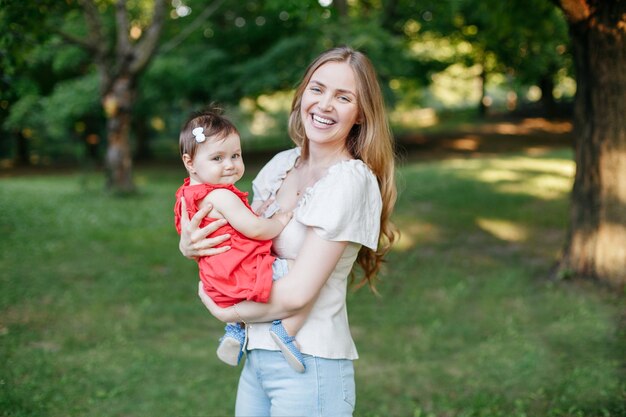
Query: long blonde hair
{"x":370,"y":141}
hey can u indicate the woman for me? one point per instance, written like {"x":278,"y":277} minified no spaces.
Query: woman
{"x":339,"y":183}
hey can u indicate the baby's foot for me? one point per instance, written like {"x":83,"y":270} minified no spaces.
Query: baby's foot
{"x":287,"y":345}
{"x":230,"y":349}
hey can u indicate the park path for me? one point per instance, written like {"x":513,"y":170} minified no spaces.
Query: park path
{"x":532,"y":135}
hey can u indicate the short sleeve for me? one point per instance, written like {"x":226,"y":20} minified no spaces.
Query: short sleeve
{"x":270,"y":177}
{"x":345,"y":205}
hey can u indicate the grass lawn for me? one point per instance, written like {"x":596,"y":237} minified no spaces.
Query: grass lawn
{"x":99,"y":316}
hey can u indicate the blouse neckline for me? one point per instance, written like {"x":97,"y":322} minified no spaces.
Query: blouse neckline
{"x":293,"y":159}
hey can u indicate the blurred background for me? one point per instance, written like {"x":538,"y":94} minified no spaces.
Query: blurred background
{"x":61,"y":61}
{"x":482,"y":311}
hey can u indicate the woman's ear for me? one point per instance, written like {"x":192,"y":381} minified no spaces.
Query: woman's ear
{"x":188,"y":162}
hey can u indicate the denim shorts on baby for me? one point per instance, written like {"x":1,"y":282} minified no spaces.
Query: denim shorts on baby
{"x":280,"y":267}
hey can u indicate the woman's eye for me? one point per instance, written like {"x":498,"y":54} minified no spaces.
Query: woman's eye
{"x":345,"y":99}
{"x":316,"y":89}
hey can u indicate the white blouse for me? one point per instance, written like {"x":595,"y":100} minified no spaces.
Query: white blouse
{"x":344,"y":205}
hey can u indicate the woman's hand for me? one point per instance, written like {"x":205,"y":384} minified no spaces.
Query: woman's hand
{"x":282,"y":217}
{"x":222,"y":314}
{"x":260,"y":211}
{"x":193,"y":239}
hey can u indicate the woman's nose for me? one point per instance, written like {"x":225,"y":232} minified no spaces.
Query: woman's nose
{"x":325,"y":102}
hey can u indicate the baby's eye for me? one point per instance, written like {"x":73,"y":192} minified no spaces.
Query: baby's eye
{"x":236,"y":156}
{"x":217,"y":158}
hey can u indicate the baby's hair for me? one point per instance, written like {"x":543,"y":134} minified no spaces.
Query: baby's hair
{"x":215,"y":124}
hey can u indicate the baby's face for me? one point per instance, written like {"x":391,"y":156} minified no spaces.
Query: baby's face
{"x":218,"y":161}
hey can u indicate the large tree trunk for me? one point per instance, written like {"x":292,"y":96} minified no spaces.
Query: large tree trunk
{"x":596,"y":243}
{"x":118,"y":104}
{"x":119,"y":69}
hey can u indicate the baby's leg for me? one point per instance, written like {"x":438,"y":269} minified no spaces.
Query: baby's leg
{"x":283,"y":331}
{"x":294,"y":323}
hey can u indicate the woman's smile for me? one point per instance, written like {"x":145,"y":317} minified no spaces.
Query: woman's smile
{"x":329,"y":105}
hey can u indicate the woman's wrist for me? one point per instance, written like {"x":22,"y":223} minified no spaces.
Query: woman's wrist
{"x":239,"y":318}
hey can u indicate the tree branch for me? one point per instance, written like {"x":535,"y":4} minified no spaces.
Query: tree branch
{"x":75,"y":40}
{"x":123,"y":47}
{"x":96,"y":36}
{"x":174,"y":42}
{"x":144,"y":50}
{"x":97,"y":41}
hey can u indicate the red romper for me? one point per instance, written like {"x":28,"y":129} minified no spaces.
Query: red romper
{"x":242,"y":273}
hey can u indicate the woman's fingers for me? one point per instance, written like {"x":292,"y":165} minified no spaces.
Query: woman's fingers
{"x":193,"y":239}
{"x":206,"y":247}
{"x":261,"y":210}
{"x":211,"y":227}
{"x":200,"y":214}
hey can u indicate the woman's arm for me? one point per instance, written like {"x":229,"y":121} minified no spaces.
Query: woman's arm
{"x":193,"y":239}
{"x":315,"y":262}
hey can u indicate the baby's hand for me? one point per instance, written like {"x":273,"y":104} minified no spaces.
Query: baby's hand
{"x":283,"y":217}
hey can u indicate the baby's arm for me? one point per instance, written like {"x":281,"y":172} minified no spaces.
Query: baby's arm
{"x":292,"y":293}
{"x":243,"y":220}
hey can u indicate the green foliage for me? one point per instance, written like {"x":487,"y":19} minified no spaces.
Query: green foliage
{"x":100,"y":314}
{"x":70,"y":101}
{"x":252,"y":48}
{"x":280,"y":68}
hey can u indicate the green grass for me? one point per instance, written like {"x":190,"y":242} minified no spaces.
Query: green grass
{"x":99,"y":317}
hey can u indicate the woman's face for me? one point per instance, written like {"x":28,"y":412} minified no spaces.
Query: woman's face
{"x":329,"y":106}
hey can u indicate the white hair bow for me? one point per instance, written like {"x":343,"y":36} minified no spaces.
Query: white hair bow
{"x":198,"y":134}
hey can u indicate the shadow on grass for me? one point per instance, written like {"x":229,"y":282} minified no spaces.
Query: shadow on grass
{"x":468,"y":323}
{"x":99,"y":316}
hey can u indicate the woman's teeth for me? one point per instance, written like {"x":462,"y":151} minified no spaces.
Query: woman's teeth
{"x":322,"y":120}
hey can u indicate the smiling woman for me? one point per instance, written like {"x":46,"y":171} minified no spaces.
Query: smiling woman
{"x":329,"y":104}
{"x":339,"y":183}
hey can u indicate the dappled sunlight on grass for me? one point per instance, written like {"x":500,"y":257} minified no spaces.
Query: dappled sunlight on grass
{"x":412,"y":231}
{"x":502,"y":229}
{"x":95,"y":300}
{"x":542,"y":178}
{"x":414,"y":118}
{"x":466,"y":143}
{"x":545,"y":187}
{"x":498,"y":175}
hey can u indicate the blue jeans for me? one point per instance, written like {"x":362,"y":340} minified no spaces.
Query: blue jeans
{"x":269,"y":387}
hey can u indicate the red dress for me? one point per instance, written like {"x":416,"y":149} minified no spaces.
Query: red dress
{"x":242,"y":273}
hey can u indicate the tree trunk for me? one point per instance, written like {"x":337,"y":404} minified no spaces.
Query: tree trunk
{"x":118,"y":162}
{"x":596,"y":242}
{"x":23,"y":149}
{"x":119,"y":69}
{"x":546,"y":84}
{"x":483,"y":105}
